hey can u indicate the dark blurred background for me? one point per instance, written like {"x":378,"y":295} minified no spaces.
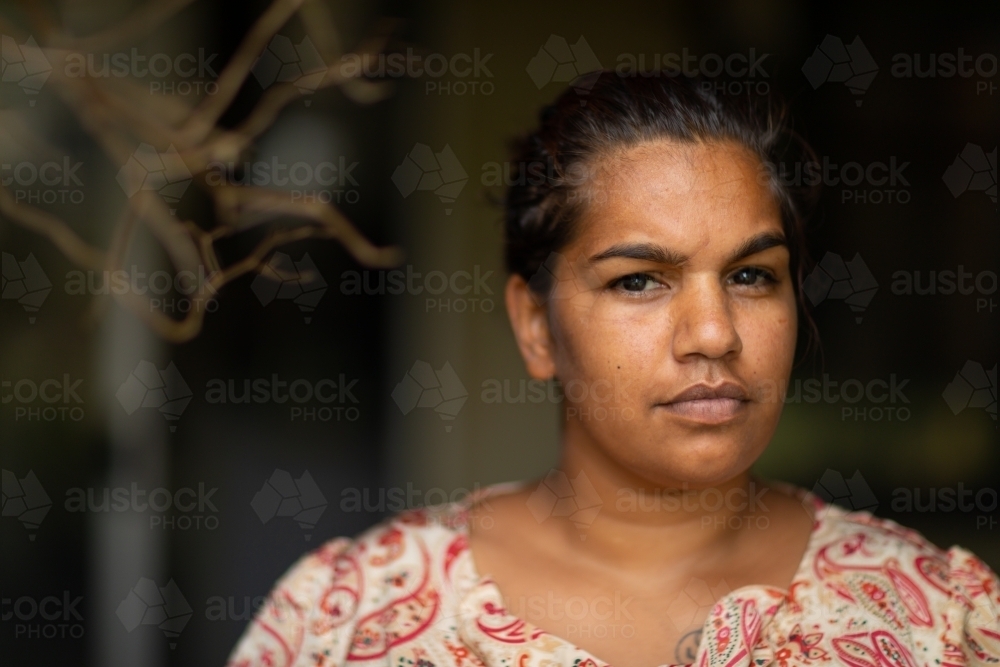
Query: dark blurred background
{"x":253,"y":485}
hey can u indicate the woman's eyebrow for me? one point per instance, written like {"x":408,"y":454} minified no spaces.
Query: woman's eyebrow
{"x":649,"y":252}
{"x":652,"y":252}
{"x":756,"y":244}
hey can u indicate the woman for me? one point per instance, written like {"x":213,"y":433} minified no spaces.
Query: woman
{"x":656,"y":267}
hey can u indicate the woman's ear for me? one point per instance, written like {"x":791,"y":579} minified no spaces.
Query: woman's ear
{"x":530,"y":322}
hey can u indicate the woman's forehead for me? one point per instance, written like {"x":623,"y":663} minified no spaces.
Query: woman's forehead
{"x":677,"y":167}
{"x":678,"y":189}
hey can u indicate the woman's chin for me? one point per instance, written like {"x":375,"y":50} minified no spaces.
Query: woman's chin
{"x":698,"y":460}
{"x":665,"y":452}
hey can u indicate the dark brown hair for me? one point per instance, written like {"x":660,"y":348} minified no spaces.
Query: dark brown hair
{"x":604,"y":112}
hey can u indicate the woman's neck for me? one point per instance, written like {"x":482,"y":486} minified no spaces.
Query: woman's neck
{"x":640,"y":523}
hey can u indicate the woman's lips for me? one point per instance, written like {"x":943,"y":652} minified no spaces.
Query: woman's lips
{"x":709,"y":405}
{"x":707,"y":410}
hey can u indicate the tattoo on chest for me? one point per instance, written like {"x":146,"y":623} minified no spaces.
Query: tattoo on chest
{"x":687,"y":648}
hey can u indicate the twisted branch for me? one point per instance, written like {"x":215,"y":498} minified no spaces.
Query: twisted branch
{"x":120,"y":113}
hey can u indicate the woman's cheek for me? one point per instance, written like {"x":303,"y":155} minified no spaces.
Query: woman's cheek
{"x":604,"y":350}
{"x":768,"y":336}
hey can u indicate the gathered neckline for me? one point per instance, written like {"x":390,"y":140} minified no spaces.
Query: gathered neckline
{"x":821,"y":510}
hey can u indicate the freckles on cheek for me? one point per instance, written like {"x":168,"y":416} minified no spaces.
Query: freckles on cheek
{"x":768,"y":347}
{"x":772,"y":322}
{"x":600,"y":349}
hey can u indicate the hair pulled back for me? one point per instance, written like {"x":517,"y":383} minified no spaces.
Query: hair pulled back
{"x":605,"y":112}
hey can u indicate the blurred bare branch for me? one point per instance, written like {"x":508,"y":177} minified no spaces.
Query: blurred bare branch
{"x":119,"y":114}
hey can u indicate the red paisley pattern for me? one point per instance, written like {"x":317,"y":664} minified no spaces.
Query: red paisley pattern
{"x":868,"y":593}
{"x":497,"y":624}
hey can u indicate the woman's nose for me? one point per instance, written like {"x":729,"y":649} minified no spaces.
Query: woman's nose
{"x":703,"y":321}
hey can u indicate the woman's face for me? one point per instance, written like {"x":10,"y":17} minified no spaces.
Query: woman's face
{"x":672,"y":322}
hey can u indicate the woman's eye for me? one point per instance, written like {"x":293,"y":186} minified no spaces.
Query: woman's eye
{"x":636,"y":282}
{"x":752,"y":276}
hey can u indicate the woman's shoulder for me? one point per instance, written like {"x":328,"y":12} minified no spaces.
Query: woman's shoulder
{"x":344,"y":587}
{"x":863,"y":537}
{"x":905,"y":579}
{"x":413,"y":535}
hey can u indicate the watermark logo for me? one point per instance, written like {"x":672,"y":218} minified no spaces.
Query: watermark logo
{"x":853,"y":493}
{"x":559,"y":61}
{"x":25,"y":65}
{"x":744,"y":74}
{"x":983,"y":502}
{"x":26,"y":178}
{"x":160,"y":606}
{"x":283,"y":279}
{"x":873,"y":177}
{"x":25,"y":499}
{"x":164,"y":173}
{"x":424,"y":387}
{"x":302,"y":393}
{"x":973,"y":170}
{"x":39,"y":618}
{"x":948,"y":282}
{"x":973,"y":387}
{"x":587,"y":401}
{"x":24,"y":282}
{"x":218,"y":608}
{"x":544,"y":172}
{"x":709,"y":65}
{"x":835,"y":279}
{"x":496,"y":391}
{"x":147,"y":387}
{"x":423,"y":169}
{"x":161,"y":66}
{"x":51,"y":390}
{"x":851,"y":65}
{"x":396,"y":499}
{"x":851,"y":391}
{"x":434,"y":66}
{"x":458,"y":292}
{"x":185,"y":509}
{"x":299,"y":499}
{"x":746,"y":505}
{"x":193,"y":290}
{"x":559,"y":496}
{"x":599,"y":616}
{"x":325,"y":182}
{"x":946,"y":66}
{"x":284,"y":62}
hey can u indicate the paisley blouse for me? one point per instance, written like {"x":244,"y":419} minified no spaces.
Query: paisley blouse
{"x":868,"y":593}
